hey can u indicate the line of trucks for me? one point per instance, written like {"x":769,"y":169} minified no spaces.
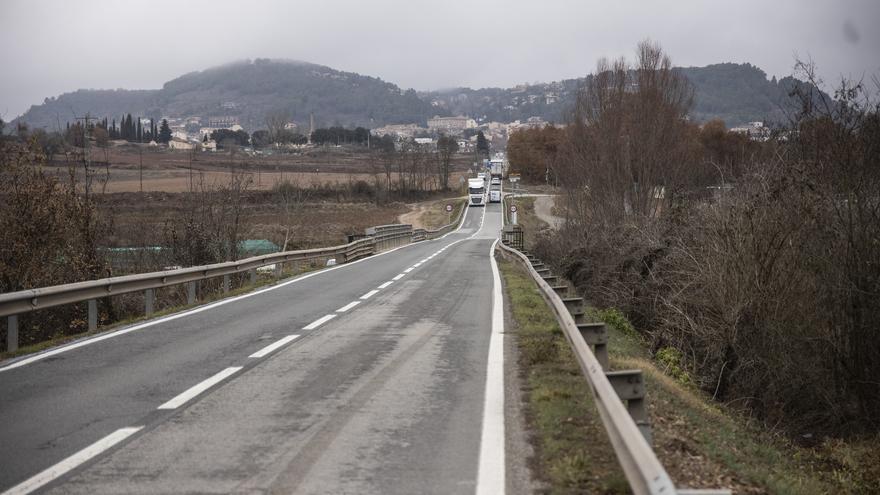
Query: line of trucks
{"x":478,"y":192}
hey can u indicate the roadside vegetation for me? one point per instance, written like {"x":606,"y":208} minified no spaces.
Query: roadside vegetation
{"x":572,"y":452}
{"x":748,"y":264}
{"x":701,"y":443}
{"x":61,"y":225}
{"x":432,"y":214}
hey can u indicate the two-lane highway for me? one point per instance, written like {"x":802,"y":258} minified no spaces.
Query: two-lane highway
{"x":368,"y":377}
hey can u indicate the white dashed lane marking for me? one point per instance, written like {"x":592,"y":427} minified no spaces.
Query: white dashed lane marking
{"x":273,"y":346}
{"x":320,"y":321}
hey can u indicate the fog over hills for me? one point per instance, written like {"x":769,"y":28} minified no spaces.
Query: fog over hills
{"x":250,"y":90}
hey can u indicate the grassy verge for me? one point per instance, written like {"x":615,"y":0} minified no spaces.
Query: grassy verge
{"x":702,"y":444}
{"x":263,"y":280}
{"x":572,"y":453}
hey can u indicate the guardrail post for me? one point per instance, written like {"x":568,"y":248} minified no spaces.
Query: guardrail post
{"x":93,"y":314}
{"x":253,"y":272}
{"x":12,"y":333}
{"x":225,"y":283}
{"x":190,"y":293}
{"x":596,"y":335}
{"x":279,"y":269}
{"x":630,"y":386}
{"x":148,"y":302}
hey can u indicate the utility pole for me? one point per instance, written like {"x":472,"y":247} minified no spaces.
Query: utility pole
{"x":141,"y":169}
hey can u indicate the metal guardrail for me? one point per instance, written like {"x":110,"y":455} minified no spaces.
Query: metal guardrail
{"x":12,"y":304}
{"x":433,"y":234}
{"x":627,"y":426}
{"x":631,"y":441}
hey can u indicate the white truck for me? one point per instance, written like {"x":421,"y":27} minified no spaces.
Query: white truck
{"x":496,"y":167}
{"x":476,"y":192}
{"x":495,"y":195}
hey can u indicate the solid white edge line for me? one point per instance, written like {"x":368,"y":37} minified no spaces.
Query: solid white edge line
{"x":92,"y":340}
{"x":60,"y":469}
{"x":491,"y":470}
{"x":275,"y":345}
{"x":369,"y":294}
{"x":320,"y":321}
{"x":348,"y":306}
{"x":386,"y":284}
{"x":188,"y":394}
{"x":399,"y":276}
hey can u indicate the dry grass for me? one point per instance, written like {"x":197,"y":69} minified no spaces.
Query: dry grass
{"x":432,"y":214}
{"x":175,"y":171}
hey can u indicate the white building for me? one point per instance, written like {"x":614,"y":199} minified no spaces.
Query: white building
{"x":451,"y":124}
{"x":180,"y":144}
{"x":398,"y":130}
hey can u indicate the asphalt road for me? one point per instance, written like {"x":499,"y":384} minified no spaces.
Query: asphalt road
{"x":381,"y":391}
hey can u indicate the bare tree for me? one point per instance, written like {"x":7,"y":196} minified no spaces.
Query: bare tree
{"x":275,"y":122}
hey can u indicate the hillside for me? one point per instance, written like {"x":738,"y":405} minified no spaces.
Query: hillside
{"x":250,"y":90}
{"x":734,"y":93}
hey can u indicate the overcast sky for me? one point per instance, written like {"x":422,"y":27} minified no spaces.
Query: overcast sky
{"x":52,"y":47}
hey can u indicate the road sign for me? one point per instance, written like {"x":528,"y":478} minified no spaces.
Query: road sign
{"x":513,"y":208}
{"x":448,"y":208}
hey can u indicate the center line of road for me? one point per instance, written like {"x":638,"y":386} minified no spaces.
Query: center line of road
{"x":409,"y":270}
{"x":195,"y":390}
{"x":386,"y":284}
{"x":63,"y":467}
{"x":271,"y":347}
{"x":347,"y":307}
{"x":399,"y":276}
{"x":370,"y":294}
{"x":320,"y":321}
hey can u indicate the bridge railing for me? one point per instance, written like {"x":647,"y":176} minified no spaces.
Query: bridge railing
{"x":12,"y":304}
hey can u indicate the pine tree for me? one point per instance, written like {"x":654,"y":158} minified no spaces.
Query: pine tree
{"x":164,"y":132}
{"x":140,"y":131}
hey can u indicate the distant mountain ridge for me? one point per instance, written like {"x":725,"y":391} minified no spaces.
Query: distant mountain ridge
{"x":250,"y":90}
{"x":734,"y":93}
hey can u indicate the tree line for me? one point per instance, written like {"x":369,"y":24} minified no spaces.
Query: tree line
{"x":754,"y":262}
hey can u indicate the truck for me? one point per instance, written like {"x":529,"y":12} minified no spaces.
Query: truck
{"x":495,"y":195}
{"x":496,"y":167}
{"x":476,"y":192}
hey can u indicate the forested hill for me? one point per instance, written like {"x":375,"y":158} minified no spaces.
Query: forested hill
{"x":251,"y":90}
{"x":734,"y":93}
